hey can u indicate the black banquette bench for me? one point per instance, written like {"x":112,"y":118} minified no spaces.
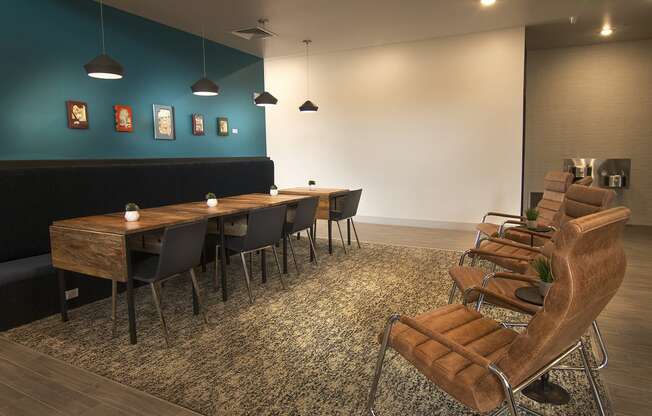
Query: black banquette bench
{"x":36,"y":193}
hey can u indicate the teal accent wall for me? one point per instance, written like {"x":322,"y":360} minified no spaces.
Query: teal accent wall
{"x":44,"y":45}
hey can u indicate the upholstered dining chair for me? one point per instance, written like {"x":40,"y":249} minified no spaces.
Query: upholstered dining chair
{"x":181,"y":248}
{"x":347,"y":210}
{"x":300,"y":218}
{"x":512,"y":255}
{"x":555,"y":185}
{"x":264,"y":230}
{"x":484,"y":364}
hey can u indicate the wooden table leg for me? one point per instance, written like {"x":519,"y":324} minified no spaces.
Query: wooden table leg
{"x":330,"y":237}
{"x":348,"y":231}
{"x":61,"y":274}
{"x":312,"y":232}
{"x":195,"y":301}
{"x":222,"y":258}
{"x":263,"y":265}
{"x":131,"y":307}
{"x":285,"y":253}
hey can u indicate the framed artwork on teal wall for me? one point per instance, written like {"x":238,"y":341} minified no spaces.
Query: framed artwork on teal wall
{"x":124,"y":118}
{"x":163,"y":122}
{"x":198,"y":124}
{"x":222,"y":126}
{"x":77,"y":114}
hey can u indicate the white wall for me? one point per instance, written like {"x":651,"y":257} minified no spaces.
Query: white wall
{"x":432,"y":130}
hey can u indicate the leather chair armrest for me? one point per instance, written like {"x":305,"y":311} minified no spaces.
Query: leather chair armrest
{"x":516,"y":276}
{"x":485,"y":253}
{"x":511,"y":243}
{"x":530,"y":232}
{"x":501,"y":214}
{"x":460,"y":349}
{"x":489,"y":294}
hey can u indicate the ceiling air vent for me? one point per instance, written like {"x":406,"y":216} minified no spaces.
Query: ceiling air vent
{"x":256,"y":32}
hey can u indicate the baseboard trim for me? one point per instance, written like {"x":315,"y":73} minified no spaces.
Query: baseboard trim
{"x":407,"y":222}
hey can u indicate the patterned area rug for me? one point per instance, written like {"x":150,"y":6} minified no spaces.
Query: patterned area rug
{"x":309,"y":350}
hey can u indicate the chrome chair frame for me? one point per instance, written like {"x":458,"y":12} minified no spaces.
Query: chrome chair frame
{"x":511,"y":406}
{"x":246,"y":272}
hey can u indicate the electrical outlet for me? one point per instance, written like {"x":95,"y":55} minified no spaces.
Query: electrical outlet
{"x":234,"y":131}
{"x":72,"y":293}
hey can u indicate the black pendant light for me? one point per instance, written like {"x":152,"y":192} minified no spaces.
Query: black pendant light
{"x":103,"y":66}
{"x":204,"y":87}
{"x":265,"y":100}
{"x":308,"y":106}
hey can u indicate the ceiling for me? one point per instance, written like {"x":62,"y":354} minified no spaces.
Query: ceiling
{"x":349,"y":24}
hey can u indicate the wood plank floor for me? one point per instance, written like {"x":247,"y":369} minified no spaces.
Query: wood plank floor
{"x":34,"y":384}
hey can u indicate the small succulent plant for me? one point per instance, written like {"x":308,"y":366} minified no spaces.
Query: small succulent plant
{"x":542,"y":266}
{"x":311,"y":182}
{"x":531,"y":214}
{"x":210,"y":195}
{"x":273,"y":187}
{"x":131,"y":207}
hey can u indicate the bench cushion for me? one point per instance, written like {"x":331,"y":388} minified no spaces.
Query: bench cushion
{"x":25,"y":269}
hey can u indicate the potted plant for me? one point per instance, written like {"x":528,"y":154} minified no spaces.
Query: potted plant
{"x":312,"y":184}
{"x":211,"y":199}
{"x":273,"y":190}
{"x":131,"y":212}
{"x":531,"y":214}
{"x":543,"y":269}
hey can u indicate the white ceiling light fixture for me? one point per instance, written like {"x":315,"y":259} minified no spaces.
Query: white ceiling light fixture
{"x":308,"y":106}
{"x":487,"y":3}
{"x":607,"y":30}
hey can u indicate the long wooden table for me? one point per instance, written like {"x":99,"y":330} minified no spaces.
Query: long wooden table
{"x":98,"y":245}
{"x":328,"y":200}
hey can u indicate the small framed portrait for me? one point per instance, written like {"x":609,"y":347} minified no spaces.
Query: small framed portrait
{"x":163,"y":122}
{"x":222,"y":126}
{"x":124,"y":118}
{"x":77,"y":114}
{"x":198,"y":124}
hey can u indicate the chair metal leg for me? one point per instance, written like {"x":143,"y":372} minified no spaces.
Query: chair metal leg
{"x":294,"y":258}
{"x":246,"y":276}
{"x":601,"y":345}
{"x":251,"y":262}
{"x":356,"y":233}
{"x":589,"y":375}
{"x":341,"y":236}
{"x":157,"y":303}
{"x":312,"y":244}
{"x":507,"y":389}
{"x":278,"y":265}
{"x":476,"y":243}
{"x":451,"y":295}
{"x":379,"y":363}
{"x":195,"y":286}
{"x":114,"y":307}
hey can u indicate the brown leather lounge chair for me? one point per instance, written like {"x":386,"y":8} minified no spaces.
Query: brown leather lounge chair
{"x":483,"y":364}
{"x":578,"y":201}
{"x":555,"y":185}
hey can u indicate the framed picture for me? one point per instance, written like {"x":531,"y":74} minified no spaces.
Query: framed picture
{"x":222,"y":126}
{"x":198,"y":124}
{"x":77,"y":114}
{"x":124,"y":117}
{"x":163,"y":122}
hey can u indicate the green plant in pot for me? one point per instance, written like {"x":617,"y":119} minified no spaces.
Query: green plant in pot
{"x":131,"y":212}
{"x":543,"y":268}
{"x":531,"y":215}
{"x":273,"y":190}
{"x":211,"y":199}
{"x":312,"y":184}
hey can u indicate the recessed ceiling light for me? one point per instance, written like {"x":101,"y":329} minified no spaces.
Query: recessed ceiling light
{"x":487,"y":2}
{"x":606,"y":30}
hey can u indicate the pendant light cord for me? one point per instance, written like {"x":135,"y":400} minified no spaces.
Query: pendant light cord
{"x":307,"y":42}
{"x":203,"y":47}
{"x":102,"y":26}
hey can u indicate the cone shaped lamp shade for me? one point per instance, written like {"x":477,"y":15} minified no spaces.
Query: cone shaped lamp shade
{"x":104,"y":67}
{"x":308,"y":107}
{"x":265,"y":99}
{"x":205,"y":87}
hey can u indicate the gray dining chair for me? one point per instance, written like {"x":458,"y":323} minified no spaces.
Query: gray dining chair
{"x":347,"y":210}
{"x":302,"y":218}
{"x":181,"y":248}
{"x":264,"y":230}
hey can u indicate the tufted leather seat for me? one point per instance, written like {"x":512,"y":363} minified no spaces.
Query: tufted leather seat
{"x":448,"y":369}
